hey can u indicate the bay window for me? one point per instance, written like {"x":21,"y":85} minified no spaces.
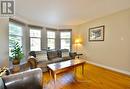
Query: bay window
{"x":65,"y":40}
{"x":35,"y":39}
{"x":51,"y":39}
{"x":15,"y":35}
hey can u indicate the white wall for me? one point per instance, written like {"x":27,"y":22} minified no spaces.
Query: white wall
{"x":114,"y":51}
{"x":4,"y":42}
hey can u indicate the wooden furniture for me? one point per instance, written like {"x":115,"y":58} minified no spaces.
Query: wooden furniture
{"x":43,"y":58}
{"x":56,"y":68}
{"x":94,"y":78}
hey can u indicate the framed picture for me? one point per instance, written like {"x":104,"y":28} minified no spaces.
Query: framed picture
{"x":96,"y":33}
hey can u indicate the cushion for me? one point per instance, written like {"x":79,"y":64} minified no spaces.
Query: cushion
{"x":67,"y":58}
{"x":52,"y":54}
{"x":65,"y":54}
{"x":41,"y":56}
{"x":42,"y":64}
{"x":55,"y":60}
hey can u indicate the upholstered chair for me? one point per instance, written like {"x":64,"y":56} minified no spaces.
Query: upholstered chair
{"x":32,"y":62}
{"x":30,"y":79}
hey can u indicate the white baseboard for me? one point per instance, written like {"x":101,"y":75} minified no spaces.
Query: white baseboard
{"x":110,"y":68}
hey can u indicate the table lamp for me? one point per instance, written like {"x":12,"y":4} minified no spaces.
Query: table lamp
{"x":77,"y":44}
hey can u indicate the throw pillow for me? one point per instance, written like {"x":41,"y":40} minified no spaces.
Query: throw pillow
{"x":42,"y":56}
{"x":65,"y":54}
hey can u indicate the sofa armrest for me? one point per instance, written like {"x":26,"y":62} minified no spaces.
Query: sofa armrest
{"x":72,"y":55}
{"x":30,"y":79}
{"x":1,"y":84}
{"x":32,"y":63}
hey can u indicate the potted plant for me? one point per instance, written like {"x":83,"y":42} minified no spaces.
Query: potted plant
{"x":17,"y":53}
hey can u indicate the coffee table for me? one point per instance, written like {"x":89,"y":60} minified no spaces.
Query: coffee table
{"x":56,"y":68}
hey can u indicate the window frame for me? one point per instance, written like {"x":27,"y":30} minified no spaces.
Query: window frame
{"x":66,"y":30}
{"x":51,"y":30}
{"x":35,"y":28}
{"x":16,"y":35}
{"x":13,"y":35}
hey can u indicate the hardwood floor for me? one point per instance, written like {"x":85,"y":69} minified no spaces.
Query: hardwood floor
{"x":94,"y":78}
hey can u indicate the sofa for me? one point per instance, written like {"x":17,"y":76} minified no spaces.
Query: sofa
{"x":42,"y":59}
{"x":30,"y":79}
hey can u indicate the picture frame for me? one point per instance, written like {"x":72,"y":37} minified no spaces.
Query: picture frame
{"x":97,"y":33}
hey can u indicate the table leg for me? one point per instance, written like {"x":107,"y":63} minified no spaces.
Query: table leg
{"x":54,"y":77}
{"x":75,"y":71}
{"x":83,"y":69}
{"x":50,"y":73}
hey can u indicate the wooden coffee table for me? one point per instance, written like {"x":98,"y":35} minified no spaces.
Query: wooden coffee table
{"x":56,"y":68}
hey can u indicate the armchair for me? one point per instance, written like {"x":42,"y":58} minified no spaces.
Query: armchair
{"x":30,"y":79}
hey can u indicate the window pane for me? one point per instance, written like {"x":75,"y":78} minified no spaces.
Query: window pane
{"x":35,"y":33}
{"x":15,"y":35}
{"x":65,"y":44}
{"x":15,"y":29}
{"x":35,"y":39}
{"x":50,"y":34}
{"x":35,"y":44}
{"x":51,"y":39}
{"x":65,"y":40}
{"x":13,"y":39}
{"x":51,"y":43}
{"x":65,"y":35}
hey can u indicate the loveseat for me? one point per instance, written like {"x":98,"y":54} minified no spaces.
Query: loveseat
{"x":42,"y":59}
{"x":30,"y":79}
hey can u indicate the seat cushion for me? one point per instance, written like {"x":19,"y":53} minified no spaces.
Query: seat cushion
{"x":55,"y":60}
{"x":66,"y":58}
{"x":42,"y":64}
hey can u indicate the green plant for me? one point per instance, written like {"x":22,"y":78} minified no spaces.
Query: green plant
{"x":16,"y":52}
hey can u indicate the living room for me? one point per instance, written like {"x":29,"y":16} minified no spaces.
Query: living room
{"x":94,"y":32}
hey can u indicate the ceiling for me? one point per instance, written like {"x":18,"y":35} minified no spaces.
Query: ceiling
{"x":67,"y":12}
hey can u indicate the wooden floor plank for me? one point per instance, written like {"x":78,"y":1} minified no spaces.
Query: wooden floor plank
{"x":94,"y":78}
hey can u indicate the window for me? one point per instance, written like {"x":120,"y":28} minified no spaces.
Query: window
{"x":15,"y":35}
{"x":65,"y":38}
{"x":51,"y":39}
{"x":35,"y":39}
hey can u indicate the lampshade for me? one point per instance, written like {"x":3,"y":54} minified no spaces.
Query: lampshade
{"x":78,"y":44}
{"x":78,"y":41}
